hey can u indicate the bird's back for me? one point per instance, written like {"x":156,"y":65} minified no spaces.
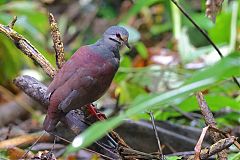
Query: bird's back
{"x":89,"y":71}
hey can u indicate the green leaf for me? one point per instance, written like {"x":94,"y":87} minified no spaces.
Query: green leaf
{"x":142,"y":50}
{"x":227,"y":67}
{"x":173,"y":158}
{"x":203,"y":21}
{"x":230,"y":120}
{"x":10,"y":62}
{"x":157,"y":29}
{"x":185,"y":46}
{"x":130,"y":91}
{"x":138,"y":5}
{"x":215,"y":102}
{"x":220,"y":33}
{"x":3,"y":154}
{"x":235,"y":156}
{"x":20,"y":6}
{"x":107,"y":11}
{"x":5,"y":18}
{"x":99,"y":129}
{"x":198,"y":82}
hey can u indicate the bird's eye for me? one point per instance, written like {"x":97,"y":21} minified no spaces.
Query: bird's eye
{"x":118,"y":35}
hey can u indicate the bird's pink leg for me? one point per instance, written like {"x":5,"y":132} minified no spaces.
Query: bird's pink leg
{"x":93,"y":112}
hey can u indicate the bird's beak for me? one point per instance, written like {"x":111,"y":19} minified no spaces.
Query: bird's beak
{"x":125,"y":41}
{"x":127,"y":44}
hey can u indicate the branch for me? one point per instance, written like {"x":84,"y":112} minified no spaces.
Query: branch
{"x":11,"y":24}
{"x":161,"y":156}
{"x":27,"y":48}
{"x":210,"y":121}
{"x":37,"y":90}
{"x":57,"y":42}
{"x":213,"y":149}
{"x":76,"y":121}
{"x":32,"y":88}
{"x":72,"y":124}
{"x":198,"y":146}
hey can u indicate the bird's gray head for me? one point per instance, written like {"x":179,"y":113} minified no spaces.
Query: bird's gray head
{"x":116,"y":36}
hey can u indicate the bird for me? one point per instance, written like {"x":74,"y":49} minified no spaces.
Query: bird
{"x":86,"y":76}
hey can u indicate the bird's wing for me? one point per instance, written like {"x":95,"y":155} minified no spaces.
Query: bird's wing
{"x":62,"y":76}
{"x":85,"y":85}
{"x":76,"y":69}
{"x":68,"y":69}
{"x":77,"y":90}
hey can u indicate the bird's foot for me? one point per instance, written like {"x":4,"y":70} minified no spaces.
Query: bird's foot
{"x":95,"y":113}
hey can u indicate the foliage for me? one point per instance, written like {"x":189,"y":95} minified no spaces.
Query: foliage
{"x":169,"y":62}
{"x":33,"y":24}
{"x":154,"y":101}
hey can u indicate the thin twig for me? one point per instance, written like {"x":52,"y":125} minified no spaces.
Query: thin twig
{"x":214,"y":148}
{"x":227,"y":135}
{"x":100,"y":154}
{"x":50,"y":153}
{"x":57,"y":41}
{"x":117,"y":108}
{"x":204,"y":34}
{"x":25,"y":154}
{"x":235,"y":142}
{"x":11,"y":24}
{"x":205,"y":110}
{"x":131,"y":154}
{"x":198,"y":146}
{"x":209,"y":120}
{"x":161,"y":156}
{"x":9,"y":130}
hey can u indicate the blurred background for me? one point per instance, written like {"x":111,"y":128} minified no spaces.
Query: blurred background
{"x":166,"y":51}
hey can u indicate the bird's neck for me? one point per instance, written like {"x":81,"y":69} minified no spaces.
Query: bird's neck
{"x":110,"y":45}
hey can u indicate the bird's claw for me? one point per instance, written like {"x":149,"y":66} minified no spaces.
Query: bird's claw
{"x":93,"y":112}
